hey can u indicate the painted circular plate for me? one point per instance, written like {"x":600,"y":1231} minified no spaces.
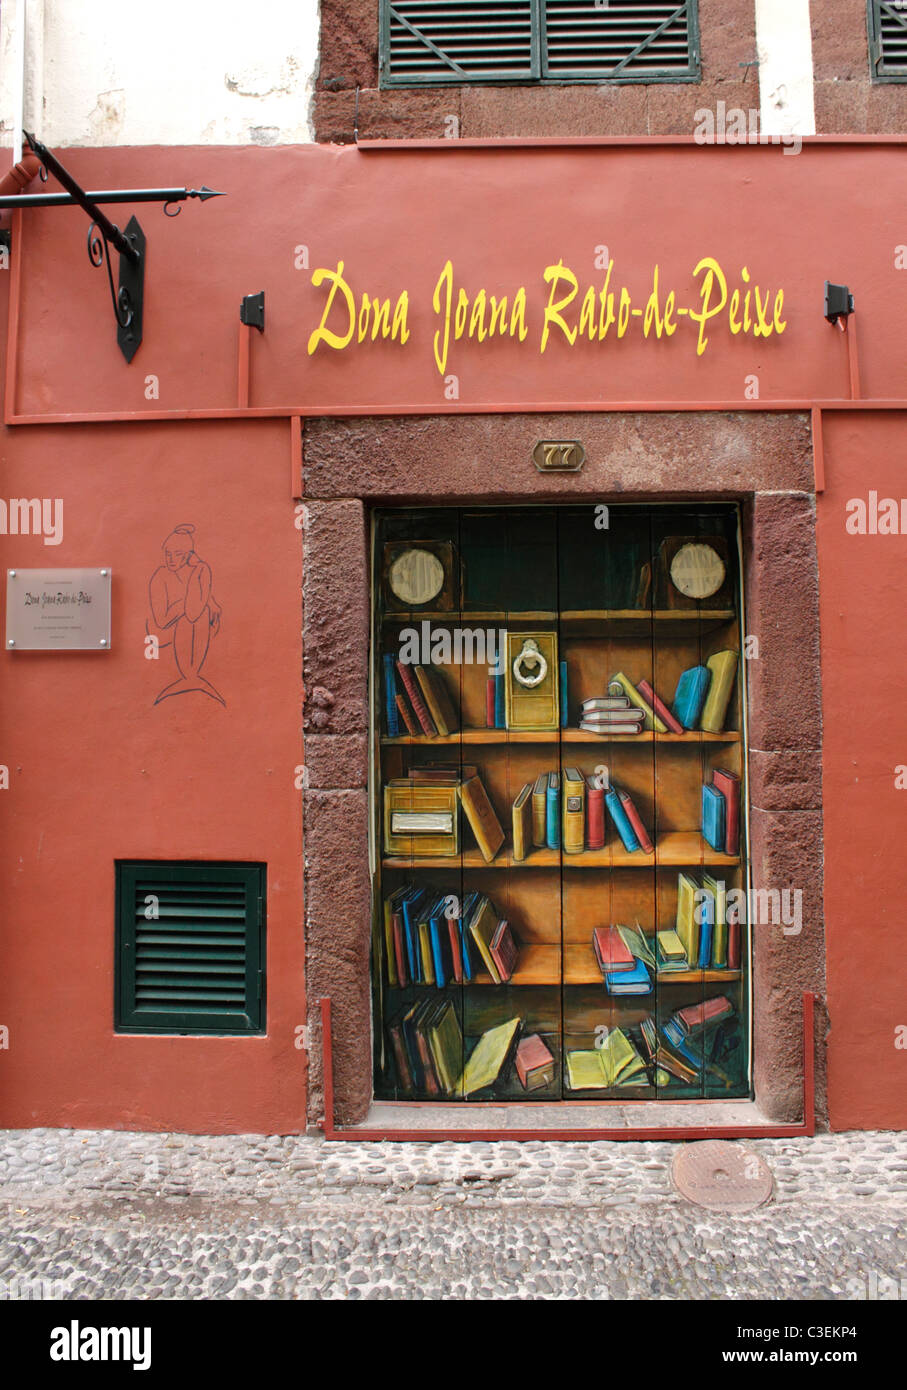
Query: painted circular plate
{"x":697,"y":570}
{"x":721,"y":1176}
{"x":416,"y":576}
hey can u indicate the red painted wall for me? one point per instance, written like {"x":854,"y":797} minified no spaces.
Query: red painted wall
{"x":864,"y":671}
{"x":98,"y":772}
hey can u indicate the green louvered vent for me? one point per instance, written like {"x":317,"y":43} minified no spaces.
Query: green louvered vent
{"x":468,"y":41}
{"x":617,"y":40}
{"x":460,"y":41}
{"x":190,"y":947}
{"x":888,"y":38}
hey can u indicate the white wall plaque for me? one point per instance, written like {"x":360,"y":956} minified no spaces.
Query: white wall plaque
{"x":58,"y":610}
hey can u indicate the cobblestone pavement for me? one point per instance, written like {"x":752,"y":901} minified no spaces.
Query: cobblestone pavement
{"x":90,"y":1215}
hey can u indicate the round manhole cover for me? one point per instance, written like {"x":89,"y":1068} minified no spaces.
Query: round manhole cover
{"x":722,"y":1176}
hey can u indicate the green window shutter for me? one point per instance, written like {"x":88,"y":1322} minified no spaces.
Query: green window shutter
{"x":190,"y":948}
{"x":458,"y":41}
{"x":888,"y":39}
{"x":497,"y":41}
{"x":618,"y":40}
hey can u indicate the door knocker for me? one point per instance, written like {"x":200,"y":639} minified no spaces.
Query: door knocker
{"x":532,"y":657}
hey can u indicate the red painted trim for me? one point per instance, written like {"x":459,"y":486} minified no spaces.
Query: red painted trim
{"x":285,"y":412}
{"x":562,"y":142}
{"x":242,"y":370}
{"x":296,"y":457}
{"x":853,"y":358}
{"x":12,"y":324}
{"x":818,"y":450}
{"x":806,"y":1128}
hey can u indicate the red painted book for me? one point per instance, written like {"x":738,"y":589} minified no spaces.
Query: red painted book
{"x":633,"y":816}
{"x":453,"y":927}
{"x":648,"y":694}
{"x":611,"y":951}
{"x":400,"y":949}
{"x":595,"y":815}
{"x":733,"y":943}
{"x":406,"y":715}
{"x":411,"y":686}
{"x":728,"y":783}
{"x":489,"y":703}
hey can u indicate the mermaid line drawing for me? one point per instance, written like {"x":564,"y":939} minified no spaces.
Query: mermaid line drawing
{"x":185,"y":614}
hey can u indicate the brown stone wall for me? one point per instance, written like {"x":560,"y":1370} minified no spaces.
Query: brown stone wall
{"x":847,"y":100}
{"x":349,"y":58}
{"x":763,"y":460}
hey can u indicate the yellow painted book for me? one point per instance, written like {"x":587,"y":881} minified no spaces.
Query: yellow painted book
{"x":687,"y":925}
{"x":651,"y":720}
{"x":488,"y":1057}
{"x":574,"y":811}
{"x":428,"y":969}
{"x":482,"y":928}
{"x":719,"y":930}
{"x":615,"y":1063}
{"x":522,"y":822}
{"x":440,"y":706}
{"x":482,"y":818}
{"x":540,"y":811}
{"x":446,"y":1043}
{"x":723,"y":666}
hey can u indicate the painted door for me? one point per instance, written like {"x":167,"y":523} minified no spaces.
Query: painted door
{"x":558,"y":794}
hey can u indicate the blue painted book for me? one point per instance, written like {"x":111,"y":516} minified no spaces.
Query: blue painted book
{"x":500,"y":716}
{"x":553,"y":811}
{"x":689,"y":697}
{"x":390,"y":697}
{"x":706,"y":928}
{"x":470,"y":903}
{"x":410,"y":910}
{"x":635,"y":981}
{"x":714,"y":810}
{"x":563,"y":694}
{"x":621,"y":823}
{"x":440,"y":944}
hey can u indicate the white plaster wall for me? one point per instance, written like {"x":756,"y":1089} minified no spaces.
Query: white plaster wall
{"x":176,"y":72}
{"x":785,"y":52}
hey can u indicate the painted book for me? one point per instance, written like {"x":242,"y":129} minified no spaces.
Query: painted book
{"x":615,"y":1063}
{"x":611,"y":951}
{"x":728,"y":783}
{"x":540,"y":811}
{"x":437,"y":698}
{"x":672,"y":725}
{"x":635,"y":819}
{"x":504,"y":951}
{"x":420,"y":709}
{"x":718,"y":890}
{"x":489,"y":1057}
{"x":723,"y":668}
{"x":522,"y":822}
{"x":574,"y":811}
{"x":652,"y":720}
{"x":482,"y":928}
{"x":638,"y":944}
{"x":714,"y":811}
{"x":553,"y":811}
{"x":480,"y":813}
{"x":689,"y":697}
{"x":687,"y":925}
{"x":595,"y":815}
{"x":621,"y":823}
{"x":635,"y":981}
{"x":391,"y":713}
{"x":534,"y":1063}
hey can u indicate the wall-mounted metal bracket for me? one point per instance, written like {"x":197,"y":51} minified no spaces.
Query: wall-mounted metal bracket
{"x":252,"y":310}
{"x":129,"y":295}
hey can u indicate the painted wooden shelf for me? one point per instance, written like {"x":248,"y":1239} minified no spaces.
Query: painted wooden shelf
{"x":540,"y":964}
{"x":570,"y":615}
{"x":676,"y":848}
{"x":491,"y":736}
